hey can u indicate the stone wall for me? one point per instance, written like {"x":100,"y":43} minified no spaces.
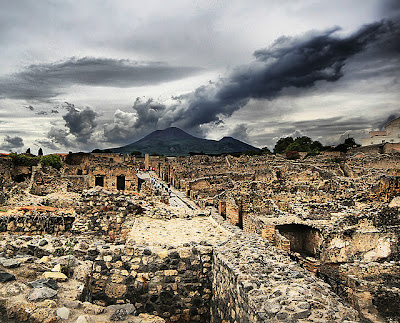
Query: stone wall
{"x":106,"y":213}
{"x":255,"y":282}
{"x":5,"y":178}
{"x":252,"y":224}
{"x":281,"y":242}
{"x":172,"y":283}
{"x":76,"y":183}
{"x":232,"y":211}
{"x":46,"y":180}
{"x":35,"y":223}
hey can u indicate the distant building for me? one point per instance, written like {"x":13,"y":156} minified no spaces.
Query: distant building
{"x":391,"y":134}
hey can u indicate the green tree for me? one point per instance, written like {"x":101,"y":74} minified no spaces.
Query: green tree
{"x":304,"y":143}
{"x":282,"y":144}
{"x":51,"y":160}
{"x":40,"y":152}
{"x":294,"y":146}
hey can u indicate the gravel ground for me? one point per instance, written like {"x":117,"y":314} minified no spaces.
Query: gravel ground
{"x":175,"y":232}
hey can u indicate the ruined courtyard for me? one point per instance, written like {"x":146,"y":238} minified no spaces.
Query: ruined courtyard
{"x":202,"y":239}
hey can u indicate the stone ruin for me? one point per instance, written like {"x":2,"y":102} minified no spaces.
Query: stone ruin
{"x":201,"y":239}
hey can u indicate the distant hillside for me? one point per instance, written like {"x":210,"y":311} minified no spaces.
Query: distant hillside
{"x":176,"y":142}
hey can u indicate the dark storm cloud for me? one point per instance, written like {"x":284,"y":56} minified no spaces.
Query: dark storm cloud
{"x":10,"y":143}
{"x":289,"y":63}
{"x":391,"y":8}
{"x":44,"y":81}
{"x":81,"y":123}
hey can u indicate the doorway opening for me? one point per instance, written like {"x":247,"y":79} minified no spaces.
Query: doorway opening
{"x":121,"y":183}
{"x":99,"y":181}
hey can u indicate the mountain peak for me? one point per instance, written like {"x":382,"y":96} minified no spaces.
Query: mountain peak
{"x":176,"y":142}
{"x":171,"y":133}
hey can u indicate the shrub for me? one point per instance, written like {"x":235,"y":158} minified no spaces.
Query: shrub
{"x":51,"y":160}
{"x":24,"y":160}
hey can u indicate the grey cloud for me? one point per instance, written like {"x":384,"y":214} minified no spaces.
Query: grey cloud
{"x":240,"y":132}
{"x":330,"y":131}
{"x":47,"y":143}
{"x":290,"y":63}
{"x":44,"y":81}
{"x":149,"y":115}
{"x":59,"y":136}
{"x":390,"y":8}
{"x":30,"y":108}
{"x":81,"y":123}
{"x":10,"y":143}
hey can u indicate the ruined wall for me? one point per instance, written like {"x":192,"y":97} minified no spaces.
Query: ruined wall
{"x":105,"y":213}
{"x":46,"y":180}
{"x":110,"y":174}
{"x":35,"y":223}
{"x":254,"y":282}
{"x":76,"y":183}
{"x":232,"y":211}
{"x":172,"y":283}
{"x":252,"y":223}
{"x":348,"y":246}
{"x":5,"y":178}
{"x":281,"y":242}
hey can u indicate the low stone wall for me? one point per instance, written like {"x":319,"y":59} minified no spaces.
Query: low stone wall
{"x":256,"y":282}
{"x":36,"y":223}
{"x":172,"y":283}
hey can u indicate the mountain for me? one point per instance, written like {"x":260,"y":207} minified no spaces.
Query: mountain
{"x":176,"y":142}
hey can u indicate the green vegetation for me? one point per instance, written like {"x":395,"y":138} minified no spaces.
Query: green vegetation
{"x":69,"y":248}
{"x":24,"y":160}
{"x":51,"y":160}
{"x":303,"y":144}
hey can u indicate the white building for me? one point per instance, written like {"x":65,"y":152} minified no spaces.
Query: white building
{"x":391,"y":134}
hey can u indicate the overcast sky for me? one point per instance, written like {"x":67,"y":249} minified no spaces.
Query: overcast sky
{"x":79,"y":75}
